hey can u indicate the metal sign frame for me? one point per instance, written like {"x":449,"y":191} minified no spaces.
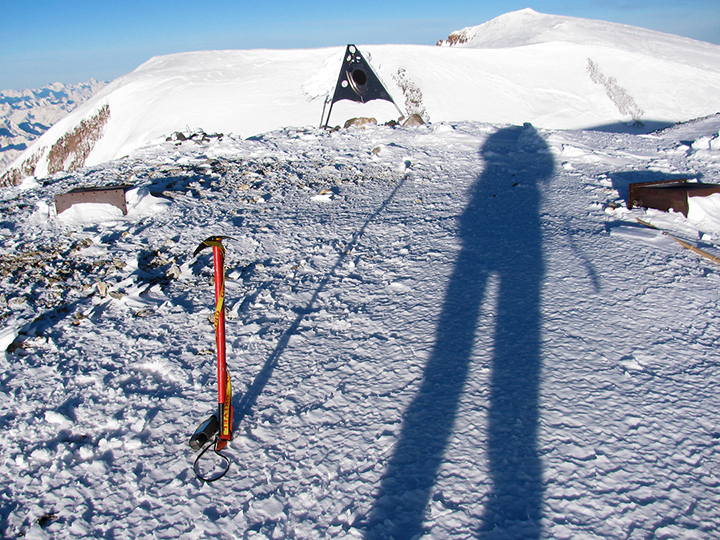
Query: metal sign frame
{"x":358,"y":82}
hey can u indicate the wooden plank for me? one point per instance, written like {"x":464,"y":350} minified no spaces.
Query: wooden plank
{"x":683,"y":243}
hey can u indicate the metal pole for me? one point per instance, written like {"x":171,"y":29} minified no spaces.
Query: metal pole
{"x":322,"y":116}
{"x":329,"y":113}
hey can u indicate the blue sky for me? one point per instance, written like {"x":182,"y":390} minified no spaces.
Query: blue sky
{"x":71,"y":41}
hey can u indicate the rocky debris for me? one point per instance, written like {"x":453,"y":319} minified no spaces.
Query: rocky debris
{"x":198,"y":137}
{"x":360,"y":122}
{"x":49,"y":276}
{"x":412,"y":93}
{"x":413,"y":120}
{"x":44,"y":282}
{"x":72,"y":149}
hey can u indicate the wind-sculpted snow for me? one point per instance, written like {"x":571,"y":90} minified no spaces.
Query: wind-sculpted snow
{"x":454,"y":331}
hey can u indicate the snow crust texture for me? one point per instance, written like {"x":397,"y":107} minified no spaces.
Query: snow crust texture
{"x":449,"y":331}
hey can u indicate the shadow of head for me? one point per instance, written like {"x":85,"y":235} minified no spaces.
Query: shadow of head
{"x":520,"y":148}
{"x":516,"y":161}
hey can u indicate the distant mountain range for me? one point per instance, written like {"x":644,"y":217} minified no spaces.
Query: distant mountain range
{"x":26,"y":114}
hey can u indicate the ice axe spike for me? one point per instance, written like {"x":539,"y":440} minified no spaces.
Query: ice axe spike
{"x":204,"y":433}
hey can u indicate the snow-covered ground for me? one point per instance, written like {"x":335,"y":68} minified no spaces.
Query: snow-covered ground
{"x":455,"y":329}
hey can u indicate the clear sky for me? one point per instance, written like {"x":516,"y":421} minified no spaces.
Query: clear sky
{"x":71,"y":41}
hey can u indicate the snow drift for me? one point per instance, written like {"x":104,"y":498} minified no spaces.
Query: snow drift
{"x":569,"y":74}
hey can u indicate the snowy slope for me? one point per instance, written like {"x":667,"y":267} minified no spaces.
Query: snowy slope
{"x":454,"y":331}
{"x":571,"y":75}
{"x":528,"y":27}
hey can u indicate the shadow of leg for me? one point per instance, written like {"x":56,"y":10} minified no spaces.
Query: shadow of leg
{"x":500,"y":230}
{"x":428,"y":422}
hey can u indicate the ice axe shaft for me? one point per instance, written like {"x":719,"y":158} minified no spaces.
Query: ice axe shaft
{"x":219,"y":260}
{"x":224,"y":386}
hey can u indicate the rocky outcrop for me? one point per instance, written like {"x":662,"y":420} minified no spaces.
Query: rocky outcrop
{"x":455,"y":38}
{"x":413,"y":120}
{"x":67,"y":154}
{"x":360,"y":122}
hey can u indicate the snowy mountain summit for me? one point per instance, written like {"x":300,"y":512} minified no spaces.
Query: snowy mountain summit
{"x":554,"y":72}
{"x":528,"y":27}
{"x":450,"y":331}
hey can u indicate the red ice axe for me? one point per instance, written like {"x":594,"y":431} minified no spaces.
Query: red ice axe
{"x":217,"y":428}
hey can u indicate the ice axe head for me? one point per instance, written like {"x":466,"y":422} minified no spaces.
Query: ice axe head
{"x":211,"y":241}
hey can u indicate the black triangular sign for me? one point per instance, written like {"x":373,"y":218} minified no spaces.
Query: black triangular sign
{"x":357,"y":80}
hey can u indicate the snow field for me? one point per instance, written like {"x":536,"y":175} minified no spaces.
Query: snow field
{"x":356,"y":260}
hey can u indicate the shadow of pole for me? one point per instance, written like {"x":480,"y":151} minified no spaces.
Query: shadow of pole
{"x":501,"y":236}
{"x":247,"y":401}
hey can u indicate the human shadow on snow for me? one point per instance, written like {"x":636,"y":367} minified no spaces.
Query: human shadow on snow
{"x":501,"y":237}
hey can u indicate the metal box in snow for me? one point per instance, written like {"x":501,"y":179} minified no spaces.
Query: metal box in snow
{"x":668,"y":194}
{"x":114,"y":195}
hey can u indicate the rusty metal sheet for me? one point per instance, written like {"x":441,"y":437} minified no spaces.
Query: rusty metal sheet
{"x":114,"y":195}
{"x":668,"y":194}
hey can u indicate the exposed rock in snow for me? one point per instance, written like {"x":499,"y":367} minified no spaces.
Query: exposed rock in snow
{"x":360,"y":122}
{"x":413,"y":120}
